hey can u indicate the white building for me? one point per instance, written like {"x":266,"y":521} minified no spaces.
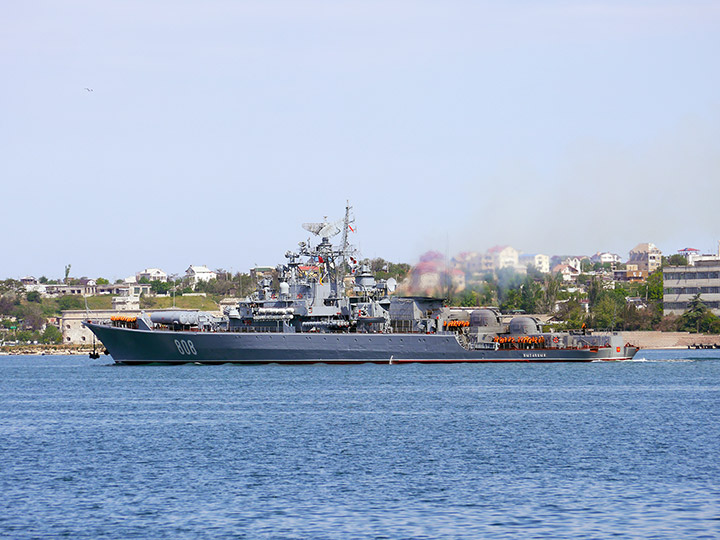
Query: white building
{"x":36,"y":287}
{"x":151,"y":274}
{"x":575,"y":262}
{"x":568,"y":273}
{"x":197,"y":274}
{"x":605,"y":257}
{"x":539,"y":262}
{"x":504,"y":256}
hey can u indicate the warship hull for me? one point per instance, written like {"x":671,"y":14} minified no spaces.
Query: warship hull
{"x":134,"y":346}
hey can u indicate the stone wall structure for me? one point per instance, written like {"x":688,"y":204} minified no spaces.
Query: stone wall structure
{"x":74,"y":333}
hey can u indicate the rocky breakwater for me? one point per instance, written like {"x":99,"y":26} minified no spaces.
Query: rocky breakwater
{"x":47,"y":349}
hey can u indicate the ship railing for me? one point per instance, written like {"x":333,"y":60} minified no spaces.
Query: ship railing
{"x":587,"y":342}
{"x":482,"y":346}
{"x":408,"y":326}
{"x":595,"y":332}
{"x":255,"y":330}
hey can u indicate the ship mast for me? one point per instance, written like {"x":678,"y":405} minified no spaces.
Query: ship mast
{"x":345,"y":243}
{"x":332,"y":260}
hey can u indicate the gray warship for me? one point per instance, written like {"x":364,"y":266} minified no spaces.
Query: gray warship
{"x":303,"y":312}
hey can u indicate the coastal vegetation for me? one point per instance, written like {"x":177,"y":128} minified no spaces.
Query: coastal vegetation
{"x":202,"y":303}
{"x":592,"y":300}
{"x":698,"y":318}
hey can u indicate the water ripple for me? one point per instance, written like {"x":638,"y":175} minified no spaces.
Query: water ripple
{"x":531,"y":451}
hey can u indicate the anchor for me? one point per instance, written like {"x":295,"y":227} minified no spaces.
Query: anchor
{"x":94,"y":354}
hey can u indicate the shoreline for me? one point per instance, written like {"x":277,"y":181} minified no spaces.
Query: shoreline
{"x":648,"y":339}
{"x":45,"y":350}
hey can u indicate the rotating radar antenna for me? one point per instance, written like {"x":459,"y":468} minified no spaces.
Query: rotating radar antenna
{"x":324,"y":229}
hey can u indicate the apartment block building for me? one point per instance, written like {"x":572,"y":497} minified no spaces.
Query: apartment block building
{"x":682,"y":283}
{"x":647,"y":257}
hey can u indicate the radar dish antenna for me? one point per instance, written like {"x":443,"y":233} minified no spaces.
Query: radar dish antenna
{"x":324,"y":229}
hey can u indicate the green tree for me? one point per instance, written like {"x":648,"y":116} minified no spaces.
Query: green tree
{"x":488,"y":294}
{"x":26,"y":336}
{"x":11,"y":286}
{"x":549,"y":291}
{"x":477,"y":294}
{"x":245,"y":284}
{"x":608,"y":311}
{"x":34,"y":296}
{"x":160,"y":287}
{"x":571,"y":313}
{"x":31,"y":315}
{"x":383,"y":269}
{"x":712,"y":324}
{"x":51,"y":335}
{"x":652,"y":289}
{"x":467,"y":298}
{"x":49,"y":307}
{"x":694,"y":315}
{"x":595,"y":292}
{"x":512,"y":301}
{"x":7,"y":304}
{"x":508,"y":280}
{"x":633,"y":318}
{"x":378,"y":265}
{"x":102,"y":281}
{"x":530,"y":294}
{"x":675,"y":260}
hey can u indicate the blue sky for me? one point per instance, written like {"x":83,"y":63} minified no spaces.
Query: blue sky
{"x":214,"y":129}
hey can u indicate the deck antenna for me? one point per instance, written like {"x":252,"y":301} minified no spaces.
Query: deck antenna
{"x":447,"y":272}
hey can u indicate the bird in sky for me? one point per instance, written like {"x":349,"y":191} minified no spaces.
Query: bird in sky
{"x":88,"y":89}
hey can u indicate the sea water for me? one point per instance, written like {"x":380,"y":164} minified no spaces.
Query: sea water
{"x":608,"y":449}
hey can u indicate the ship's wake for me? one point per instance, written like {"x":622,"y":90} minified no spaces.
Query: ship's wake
{"x":656,"y":360}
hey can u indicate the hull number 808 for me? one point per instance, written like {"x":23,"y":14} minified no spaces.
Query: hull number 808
{"x":185,"y":347}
